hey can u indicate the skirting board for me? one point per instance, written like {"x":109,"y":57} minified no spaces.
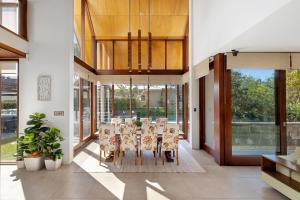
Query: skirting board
{"x":281,"y":187}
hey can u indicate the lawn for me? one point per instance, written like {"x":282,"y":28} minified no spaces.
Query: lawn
{"x":8,"y":148}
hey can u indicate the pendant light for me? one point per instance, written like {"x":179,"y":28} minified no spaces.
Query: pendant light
{"x":129,"y":38}
{"x":139,"y":41}
{"x":149,"y":41}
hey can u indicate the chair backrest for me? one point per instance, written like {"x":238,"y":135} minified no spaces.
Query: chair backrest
{"x":116,"y":121}
{"x":107,"y":137}
{"x":129,"y":121}
{"x":128,"y":138}
{"x":145,"y":121}
{"x":149,"y":138}
{"x":162,"y":122}
{"x":170,"y":138}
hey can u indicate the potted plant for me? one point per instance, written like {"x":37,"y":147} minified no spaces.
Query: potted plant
{"x":138,"y":124}
{"x":20,"y":153}
{"x":32,"y":141}
{"x":51,"y":148}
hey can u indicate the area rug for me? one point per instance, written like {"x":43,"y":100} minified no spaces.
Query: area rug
{"x":88,"y":161}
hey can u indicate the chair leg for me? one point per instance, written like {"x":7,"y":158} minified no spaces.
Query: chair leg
{"x":163,"y":157}
{"x":135,"y":157}
{"x":177,"y":156}
{"x":141,"y":155}
{"x":100,"y":156}
{"x":173,"y":153}
{"x":104,"y":154}
{"x":121,"y":156}
{"x":155,"y":157}
{"x":115,"y":154}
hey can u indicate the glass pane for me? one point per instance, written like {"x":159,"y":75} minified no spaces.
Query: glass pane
{"x":88,"y":42}
{"x":157,"y":101}
{"x":104,"y":104}
{"x":76,"y":139}
{"x":172,"y":102}
{"x":77,"y":28}
{"x":254,"y":131}
{"x":122,"y":100}
{"x":174,"y":55}
{"x":8,"y":89}
{"x":9,"y":15}
{"x":86,"y":92}
{"x":293,"y":109}
{"x":180,"y":107}
{"x":139,"y":100}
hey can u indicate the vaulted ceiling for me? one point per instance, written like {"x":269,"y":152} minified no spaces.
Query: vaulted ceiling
{"x":168,"y":18}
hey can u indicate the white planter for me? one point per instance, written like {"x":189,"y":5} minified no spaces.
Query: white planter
{"x":34,"y":164}
{"x":53,"y":165}
{"x":20,"y":164}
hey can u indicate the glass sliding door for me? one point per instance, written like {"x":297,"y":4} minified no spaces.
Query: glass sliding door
{"x":9,"y":106}
{"x":122,"y":100}
{"x":103,"y":104}
{"x":293,"y":109}
{"x":86,"y":103}
{"x":172,"y":103}
{"x":139,"y":100}
{"x":76,"y":110}
{"x":254,"y":128}
{"x":157,"y":101}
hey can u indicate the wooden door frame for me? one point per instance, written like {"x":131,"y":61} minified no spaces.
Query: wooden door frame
{"x":280,"y":106}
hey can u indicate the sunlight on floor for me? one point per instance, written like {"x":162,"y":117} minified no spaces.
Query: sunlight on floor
{"x":111,"y":183}
{"x":154,"y":195}
{"x":155,"y":184}
{"x":10,"y":187}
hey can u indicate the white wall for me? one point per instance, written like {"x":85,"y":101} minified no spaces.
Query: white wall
{"x":218,"y":22}
{"x":50,"y":34}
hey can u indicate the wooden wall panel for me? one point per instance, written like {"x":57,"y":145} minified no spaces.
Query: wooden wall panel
{"x":174,"y":55}
{"x":219,"y":108}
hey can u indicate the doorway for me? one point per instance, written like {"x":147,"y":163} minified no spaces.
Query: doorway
{"x":9,"y":110}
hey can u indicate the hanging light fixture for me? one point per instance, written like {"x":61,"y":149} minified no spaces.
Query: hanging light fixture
{"x":139,"y":41}
{"x":149,"y":41}
{"x":129,"y":38}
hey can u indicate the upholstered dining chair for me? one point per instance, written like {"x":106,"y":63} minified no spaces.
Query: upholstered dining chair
{"x":148,"y":141}
{"x":107,"y":140}
{"x":161,"y":124}
{"x":128,"y":141}
{"x":145,"y":121}
{"x":170,"y":140}
{"x":117,"y":122}
{"x":129,"y":121}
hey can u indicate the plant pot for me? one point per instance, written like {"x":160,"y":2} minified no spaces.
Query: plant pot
{"x":53,"y":165}
{"x":20,"y":164}
{"x":34,"y":163}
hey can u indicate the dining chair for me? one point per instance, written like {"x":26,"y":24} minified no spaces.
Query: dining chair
{"x":170,"y":140}
{"x":161,"y":124}
{"x":116,"y":121}
{"x":145,"y":121}
{"x":148,"y":141}
{"x":128,"y":141}
{"x":129,"y":121}
{"x":107,"y":140}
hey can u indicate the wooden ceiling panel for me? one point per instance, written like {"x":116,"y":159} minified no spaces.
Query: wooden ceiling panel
{"x":169,"y":18}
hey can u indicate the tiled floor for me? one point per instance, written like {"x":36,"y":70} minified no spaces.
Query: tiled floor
{"x":216,"y":183}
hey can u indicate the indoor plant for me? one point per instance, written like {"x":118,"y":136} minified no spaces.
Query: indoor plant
{"x":32,"y":141}
{"x":138,"y":124}
{"x":20,"y":153}
{"x":51,"y":148}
